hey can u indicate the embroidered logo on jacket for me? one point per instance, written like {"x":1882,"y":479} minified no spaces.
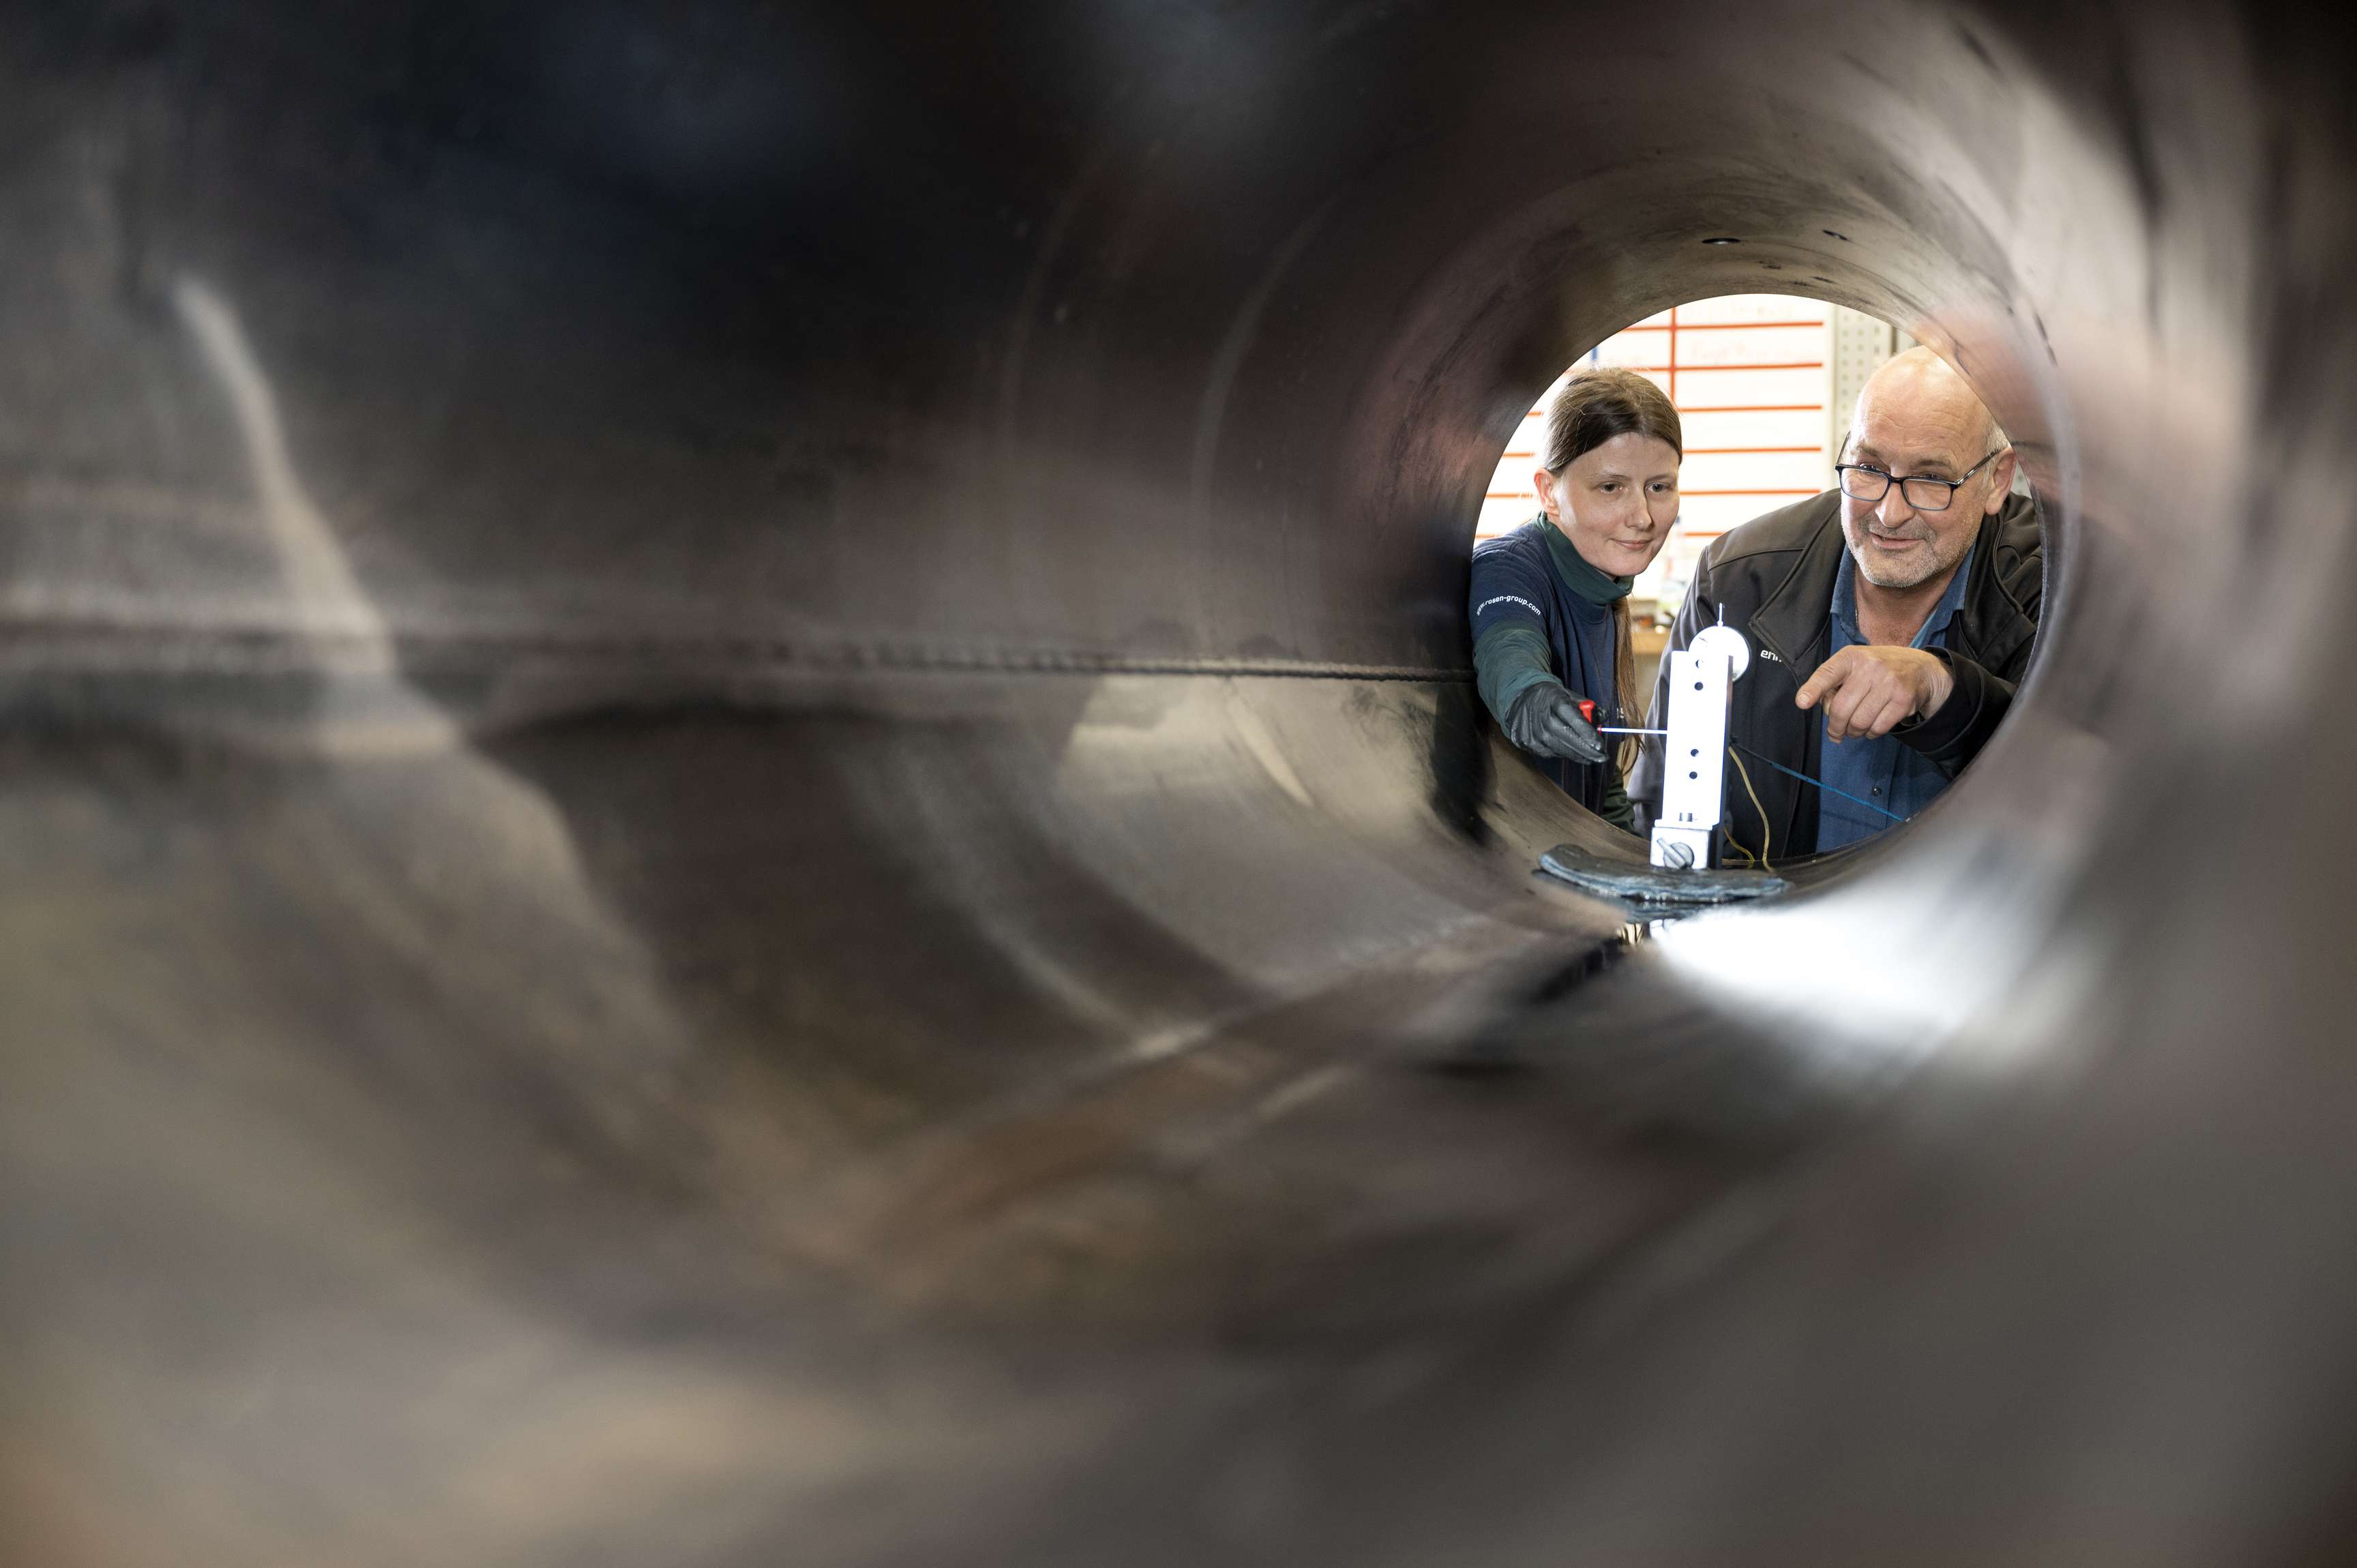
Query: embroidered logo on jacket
{"x":1508,"y":599}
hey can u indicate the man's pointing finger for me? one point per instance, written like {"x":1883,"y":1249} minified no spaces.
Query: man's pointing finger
{"x":1827,"y":677}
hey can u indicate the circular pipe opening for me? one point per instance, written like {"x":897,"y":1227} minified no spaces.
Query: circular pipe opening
{"x":1771,"y":416}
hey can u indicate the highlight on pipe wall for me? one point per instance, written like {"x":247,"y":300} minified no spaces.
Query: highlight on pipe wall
{"x":1765,"y":387}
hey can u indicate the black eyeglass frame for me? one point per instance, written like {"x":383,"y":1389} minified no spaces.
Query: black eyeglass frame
{"x":1890,"y":478}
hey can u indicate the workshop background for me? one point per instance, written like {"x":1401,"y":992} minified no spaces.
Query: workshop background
{"x":1763,"y":383}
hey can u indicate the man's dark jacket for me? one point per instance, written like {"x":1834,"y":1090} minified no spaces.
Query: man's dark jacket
{"x":1773,"y":580}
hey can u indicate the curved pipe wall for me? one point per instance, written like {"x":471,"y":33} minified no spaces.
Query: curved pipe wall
{"x":743,"y":821}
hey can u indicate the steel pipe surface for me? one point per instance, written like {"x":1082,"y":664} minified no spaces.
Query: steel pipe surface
{"x":743,"y":822}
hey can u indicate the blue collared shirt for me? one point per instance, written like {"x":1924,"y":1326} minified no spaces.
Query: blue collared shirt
{"x":1885,"y":770}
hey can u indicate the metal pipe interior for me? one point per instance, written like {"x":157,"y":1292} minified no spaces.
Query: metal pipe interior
{"x":743,"y":820}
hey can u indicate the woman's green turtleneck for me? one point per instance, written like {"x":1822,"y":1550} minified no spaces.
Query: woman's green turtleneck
{"x":1588,"y":582}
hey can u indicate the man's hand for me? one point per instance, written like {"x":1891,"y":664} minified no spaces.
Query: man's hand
{"x":1869,"y":689}
{"x":1546,"y":719}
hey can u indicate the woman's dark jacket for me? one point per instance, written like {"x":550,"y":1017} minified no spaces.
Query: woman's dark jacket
{"x":1540,"y":611}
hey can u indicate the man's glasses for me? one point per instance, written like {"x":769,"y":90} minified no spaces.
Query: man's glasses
{"x":1861,"y":483}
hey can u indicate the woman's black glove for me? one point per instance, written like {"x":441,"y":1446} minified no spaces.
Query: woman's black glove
{"x":1546,"y":719}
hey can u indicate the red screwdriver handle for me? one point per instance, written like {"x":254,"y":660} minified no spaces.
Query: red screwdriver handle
{"x":1588,"y":710}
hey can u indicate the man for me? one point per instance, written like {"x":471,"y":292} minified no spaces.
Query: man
{"x":1889,"y":619}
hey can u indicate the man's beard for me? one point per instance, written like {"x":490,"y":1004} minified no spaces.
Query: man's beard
{"x":1884,"y":574}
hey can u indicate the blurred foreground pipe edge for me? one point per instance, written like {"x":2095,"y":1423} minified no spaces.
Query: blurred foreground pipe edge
{"x":741,"y":821}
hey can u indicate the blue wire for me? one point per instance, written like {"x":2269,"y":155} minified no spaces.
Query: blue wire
{"x":1818,"y":782}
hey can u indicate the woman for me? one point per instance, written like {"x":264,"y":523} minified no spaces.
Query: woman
{"x":1551,"y":600}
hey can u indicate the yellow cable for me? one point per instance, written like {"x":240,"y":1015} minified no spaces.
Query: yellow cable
{"x":1749,"y":859}
{"x":1767,"y":839}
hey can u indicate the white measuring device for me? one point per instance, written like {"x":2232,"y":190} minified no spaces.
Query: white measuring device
{"x":1702,"y":677}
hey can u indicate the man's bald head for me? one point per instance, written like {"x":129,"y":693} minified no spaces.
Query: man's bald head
{"x":1923,"y":392}
{"x":1917,"y":418}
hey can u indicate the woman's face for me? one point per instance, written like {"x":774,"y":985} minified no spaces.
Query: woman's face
{"x":1616,"y":502}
